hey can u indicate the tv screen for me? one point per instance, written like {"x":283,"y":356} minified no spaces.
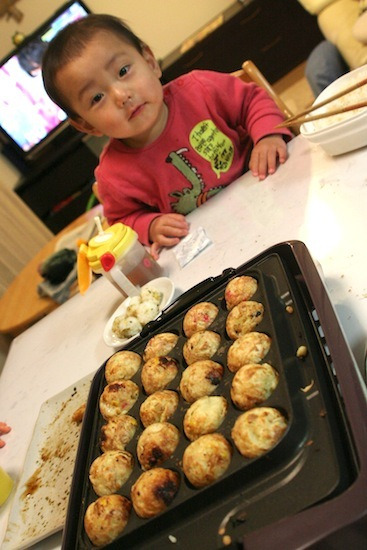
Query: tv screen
{"x":28,"y":117}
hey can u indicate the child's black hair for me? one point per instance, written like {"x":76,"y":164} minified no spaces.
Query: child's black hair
{"x":69,"y":44}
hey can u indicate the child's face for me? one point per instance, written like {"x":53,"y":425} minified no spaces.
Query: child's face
{"x":115,"y":91}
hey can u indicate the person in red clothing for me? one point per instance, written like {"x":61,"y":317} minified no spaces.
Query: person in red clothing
{"x":171,"y":147}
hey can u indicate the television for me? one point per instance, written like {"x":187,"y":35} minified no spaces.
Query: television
{"x":29,"y":120}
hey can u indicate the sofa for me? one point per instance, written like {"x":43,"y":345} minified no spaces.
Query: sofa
{"x":337,"y":20}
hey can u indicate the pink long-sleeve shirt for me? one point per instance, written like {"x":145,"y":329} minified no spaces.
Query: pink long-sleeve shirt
{"x":213,"y":122}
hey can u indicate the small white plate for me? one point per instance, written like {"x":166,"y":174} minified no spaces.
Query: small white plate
{"x":164,"y":285}
{"x":48,"y":470}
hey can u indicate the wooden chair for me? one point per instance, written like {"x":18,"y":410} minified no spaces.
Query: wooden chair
{"x":250,"y":73}
{"x":94,"y":197}
{"x":95,"y":191}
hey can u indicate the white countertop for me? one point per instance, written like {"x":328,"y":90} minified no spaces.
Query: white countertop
{"x":314,"y":198}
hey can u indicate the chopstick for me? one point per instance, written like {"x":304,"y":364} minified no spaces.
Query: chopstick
{"x":326,"y":114}
{"x":302,"y":115}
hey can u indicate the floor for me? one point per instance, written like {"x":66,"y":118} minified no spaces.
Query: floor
{"x":294,"y":90}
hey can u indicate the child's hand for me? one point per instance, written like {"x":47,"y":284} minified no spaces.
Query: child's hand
{"x":265,"y":155}
{"x":4,"y":429}
{"x":167,"y":230}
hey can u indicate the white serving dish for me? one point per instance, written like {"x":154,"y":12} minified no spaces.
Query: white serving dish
{"x":339,"y":134}
{"x":164,"y":285}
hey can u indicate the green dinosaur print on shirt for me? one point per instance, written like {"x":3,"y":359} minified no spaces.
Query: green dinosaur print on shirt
{"x":189,"y":198}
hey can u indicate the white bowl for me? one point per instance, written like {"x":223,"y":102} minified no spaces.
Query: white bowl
{"x":164,"y":285}
{"x":339,"y":134}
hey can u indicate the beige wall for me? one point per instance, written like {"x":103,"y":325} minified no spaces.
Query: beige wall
{"x":163,"y":24}
{"x":22,"y":234}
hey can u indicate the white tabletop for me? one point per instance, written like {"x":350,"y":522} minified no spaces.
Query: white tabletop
{"x":314,"y":198}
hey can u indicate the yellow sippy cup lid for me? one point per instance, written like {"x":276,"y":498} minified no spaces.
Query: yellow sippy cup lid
{"x":115,"y":240}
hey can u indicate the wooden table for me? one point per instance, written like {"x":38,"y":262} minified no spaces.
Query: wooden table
{"x":21,"y":305}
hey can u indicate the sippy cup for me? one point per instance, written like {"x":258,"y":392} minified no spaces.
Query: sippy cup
{"x":118,"y":255}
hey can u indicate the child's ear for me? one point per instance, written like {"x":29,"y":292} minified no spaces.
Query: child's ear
{"x":82,"y":126}
{"x":151,"y":60}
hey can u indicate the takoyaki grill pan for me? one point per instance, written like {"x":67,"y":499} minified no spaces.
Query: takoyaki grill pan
{"x":312,"y":485}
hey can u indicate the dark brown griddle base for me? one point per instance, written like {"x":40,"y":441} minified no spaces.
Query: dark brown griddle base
{"x":314,"y":462}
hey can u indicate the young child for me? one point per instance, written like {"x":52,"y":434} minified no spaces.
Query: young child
{"x":171,"y":147}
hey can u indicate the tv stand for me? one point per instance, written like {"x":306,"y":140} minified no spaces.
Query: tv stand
{"x":58,"y":188}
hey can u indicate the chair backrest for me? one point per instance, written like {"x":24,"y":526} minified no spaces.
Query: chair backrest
{"x":250,"y":73}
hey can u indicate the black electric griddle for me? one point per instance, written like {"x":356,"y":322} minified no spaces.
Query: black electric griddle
{"x":318,"y":460}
